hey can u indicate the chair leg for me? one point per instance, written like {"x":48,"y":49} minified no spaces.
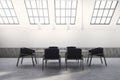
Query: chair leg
{"x":82,"y":64}
{"x":90,"y":60}
{"x":66,"y":63}
{"x":105,"y":60}
{"x":45,"y":63}
{"x":78,"y":61}
{"x":18,"y":61}
{"x":32,"y":60}
{"x":59,"y":63}
{"x":101,"y":59}
{"x":22,"y":60}
{"x":35,"y":58}
{"x":42,"y":64}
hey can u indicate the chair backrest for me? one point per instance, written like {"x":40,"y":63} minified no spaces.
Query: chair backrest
{"x":69,"y":48}
{"x":98,"y":50}
{"x":51,"y":53}
{"x":26,"y":51}
{"x":74,"y":53}
{"x":53,"y":47}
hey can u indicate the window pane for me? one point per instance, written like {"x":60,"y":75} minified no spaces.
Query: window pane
{"x":108,"y":20}
{"x":35,"y":13}
{"x":72,"y":20}
{"x":93,"y":20}
{"x":45,"y":13}
{"x":103,"y":3}
{"x":28,"y":4}
{"x":30,"y":12}
{"x":108,"y":4}
{"x":1,"y":21}
{"x":5,"y":20}
{"x":10,"y":20}
{"x":44,"y":4}
{"x":105,"y":12}
{"x":9,"y":4}
{"x":110,"y":13}
{"x":40,"y":12}
{"x":98,"y":20}
{"x":31,"y":20}
{"x":7,"y":12}
{"x":114,"y":4}
{"x":103,"y":20}
{"x":57,"y":12}
{"x":69,"y":5}
{"x":73,"y":12}
{"x":15,"y":20}
{"x":57,"y":20}
{"x":97,"y":4}
{"x":4,"y":4}
{"x":74,"y":4}
{"x":36,"y":20}
{"x":100,"y":12}
{"x":63,"y":20}
{"x":95,"y":12}
{"x":46,"y":20}
{"x":12,"y":12}
{"x":63,"y":13}
{"x":33,"y":3}
{"x":63,"y":4}
{"x":2,"y":13}
{"x":57,"y":3}
{"x":68,"y":12}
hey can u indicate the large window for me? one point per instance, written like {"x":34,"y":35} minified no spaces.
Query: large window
{"x":103,"y":12}
{"x":7,"y":13}
{"x":118,"y":22}
{"x":37,"y":11}
{"x":65,"y":11}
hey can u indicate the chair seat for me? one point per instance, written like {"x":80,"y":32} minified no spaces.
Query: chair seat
{"x":74,"y":57}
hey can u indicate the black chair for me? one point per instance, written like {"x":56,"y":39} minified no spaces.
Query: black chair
{"x":51,"y":54}
{"x":74,"y":54}
{"x":26,"y":52}
{"x":96,"y":52}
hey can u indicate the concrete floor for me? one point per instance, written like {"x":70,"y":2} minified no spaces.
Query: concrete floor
{"x":8,"y":70}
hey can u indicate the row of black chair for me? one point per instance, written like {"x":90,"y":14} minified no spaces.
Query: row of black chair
{"x":52,"y":53}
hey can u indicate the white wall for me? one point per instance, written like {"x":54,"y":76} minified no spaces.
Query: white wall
{"x":25,"y":35}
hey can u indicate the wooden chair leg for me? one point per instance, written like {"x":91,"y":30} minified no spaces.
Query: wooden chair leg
{"x":45,"y":63}
{"x":42,"y":64}
{"x":90,"y":60}
{"x":35,"y":59}
{"x":105,"y":60}
{"x":82,"y":64}
{"x":32,"y":60}
{"x":59,"y":63}
{"x":78,"y":61}
{"x":101,"y":59}
{"x":18,"y":61}
{"x":66,"y":63}
{"x":22,"y":60}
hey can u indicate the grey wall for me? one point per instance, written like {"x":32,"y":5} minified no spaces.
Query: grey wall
{"x":14,"y":52}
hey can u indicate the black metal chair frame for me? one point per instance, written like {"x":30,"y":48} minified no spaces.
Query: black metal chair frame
{"x":30,"y":53}
{"x":45,"y":60}
{"x":90,"y":56}
{"x":79,"y":59}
